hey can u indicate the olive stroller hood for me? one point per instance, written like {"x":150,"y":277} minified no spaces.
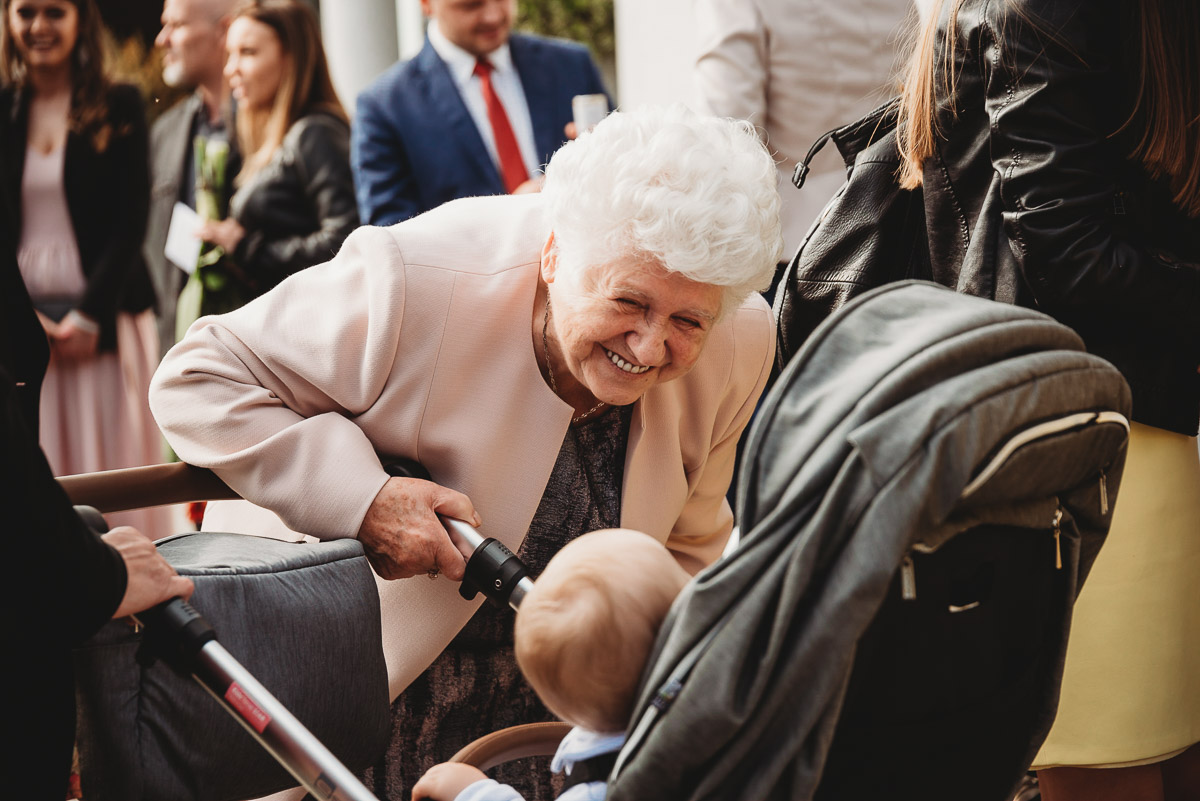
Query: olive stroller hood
{"x":909,"y":416}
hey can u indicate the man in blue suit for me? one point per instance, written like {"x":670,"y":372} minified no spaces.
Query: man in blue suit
{"x":426,"y":130}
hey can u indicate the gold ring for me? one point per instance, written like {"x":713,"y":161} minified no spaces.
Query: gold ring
{"x":432,"y":573}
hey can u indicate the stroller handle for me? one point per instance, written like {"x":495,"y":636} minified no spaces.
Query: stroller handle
{"x":492,"y":569}
{"x":140,"y":487}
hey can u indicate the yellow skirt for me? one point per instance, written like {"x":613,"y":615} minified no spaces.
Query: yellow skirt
{"x":1131,"y":684}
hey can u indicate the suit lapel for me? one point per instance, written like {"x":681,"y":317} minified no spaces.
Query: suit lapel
{"x":539,"y":96}
{"x":446,"y":104}
{"x":170,"y":159}
{"x":171,"y":155}
{"x":15,"y":130}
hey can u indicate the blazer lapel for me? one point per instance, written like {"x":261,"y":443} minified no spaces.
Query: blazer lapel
{"x":445,"y":103}
{"x":15,"y":130}
{"x":539,"y":96}
{"x":171,"y":154}
{"x":170,"y":159}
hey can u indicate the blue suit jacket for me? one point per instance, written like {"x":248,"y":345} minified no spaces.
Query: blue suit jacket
{"x":414,"y":145}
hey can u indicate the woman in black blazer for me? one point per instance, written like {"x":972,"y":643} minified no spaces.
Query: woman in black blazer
{"x":74,"y":174}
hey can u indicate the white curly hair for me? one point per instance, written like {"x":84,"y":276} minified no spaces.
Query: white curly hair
{"x":696,"y":194}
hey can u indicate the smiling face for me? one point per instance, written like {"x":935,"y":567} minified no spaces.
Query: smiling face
{"x":44,"y":31}
{"x":255,"y":65}
{"x":477,"y":26}
{"x":619,"y":328}
{"x":192,"y":41}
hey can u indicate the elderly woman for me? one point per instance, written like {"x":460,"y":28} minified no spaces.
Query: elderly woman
{"x":579,"y":359}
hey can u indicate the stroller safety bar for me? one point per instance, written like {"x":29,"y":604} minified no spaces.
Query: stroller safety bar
{"x":515,"y":742}
{"x":140,"y":487}
{"x":492,"y":569}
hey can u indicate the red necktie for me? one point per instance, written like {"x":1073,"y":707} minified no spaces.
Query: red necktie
{"x":512,"y":166}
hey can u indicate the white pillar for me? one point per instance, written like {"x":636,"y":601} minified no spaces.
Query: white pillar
{"x":360,"y":42}
{"x":410,"y":27}
{"x":654,"y":68}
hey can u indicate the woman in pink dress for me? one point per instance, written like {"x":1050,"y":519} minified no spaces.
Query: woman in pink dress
{"x":74,"y":151}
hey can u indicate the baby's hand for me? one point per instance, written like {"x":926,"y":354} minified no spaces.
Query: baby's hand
{"x":445,"y":781}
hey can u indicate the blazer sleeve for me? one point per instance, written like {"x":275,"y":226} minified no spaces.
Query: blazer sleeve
{"x":703,"y":527}
{"x":70,"y":580}
{"x":387,"y":188}
{"x":1050,"y":147}
{"x":322,"y":168}
{"x":731,"y":63}
{"x":595,"y":82}
{"x":129,"y":152}
{"x":266,"y":395}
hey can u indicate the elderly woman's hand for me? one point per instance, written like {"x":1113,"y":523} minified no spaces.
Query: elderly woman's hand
{"x":402,"y":535}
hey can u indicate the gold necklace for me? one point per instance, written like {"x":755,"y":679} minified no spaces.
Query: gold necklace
{"x":550,"y":368}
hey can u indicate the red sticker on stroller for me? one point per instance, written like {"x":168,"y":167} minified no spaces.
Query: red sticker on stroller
{"x":246,"y":707}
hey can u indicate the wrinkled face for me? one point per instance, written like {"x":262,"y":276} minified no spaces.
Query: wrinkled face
{"x":256,"y":63}
{"x":192,"y":41}
{"x":477,"y":26}
{"x":624,"y":326}
{"x":44,"y":31}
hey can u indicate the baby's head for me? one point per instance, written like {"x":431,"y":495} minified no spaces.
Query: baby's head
{"x":585,"y":630}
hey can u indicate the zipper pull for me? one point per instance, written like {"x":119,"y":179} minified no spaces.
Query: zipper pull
{"x":908,"y":579}
{"x":1057,"y":539}
{"x":666,"y":695}
{"x":1103,"y":493}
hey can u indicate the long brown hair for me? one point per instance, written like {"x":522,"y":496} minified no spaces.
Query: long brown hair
{"x":90,"y":82}
{"x":1165,"y":117}
{"x":1167,"y":107}
{"x":304,"y":87}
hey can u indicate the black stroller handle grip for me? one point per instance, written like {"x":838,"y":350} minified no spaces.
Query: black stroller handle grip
{"x":179,"y":631}
{"x":492,"y":568}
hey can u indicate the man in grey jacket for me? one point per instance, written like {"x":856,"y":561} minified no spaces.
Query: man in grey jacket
{"x":193,"y":43}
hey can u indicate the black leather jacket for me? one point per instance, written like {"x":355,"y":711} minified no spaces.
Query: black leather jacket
{"x":1031,"y":198}
{"x":299,"y":208}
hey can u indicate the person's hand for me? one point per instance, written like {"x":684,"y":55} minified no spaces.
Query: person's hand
{"x":570,"y":131}
{"x":151,"y":579}
{"x":445,"y":781}
{"x":226,"y":233}
{"x":530,"y":186}
{"x":402,"y":535}
{"x":72,"y":342}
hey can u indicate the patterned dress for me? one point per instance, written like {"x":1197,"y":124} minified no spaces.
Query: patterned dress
{"x":474,"y":687}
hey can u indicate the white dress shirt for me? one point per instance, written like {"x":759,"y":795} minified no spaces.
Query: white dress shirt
{"x":508,"y":88}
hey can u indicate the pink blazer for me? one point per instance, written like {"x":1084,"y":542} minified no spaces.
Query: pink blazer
{"x":415,"y":341}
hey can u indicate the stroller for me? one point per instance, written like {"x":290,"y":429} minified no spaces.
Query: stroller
{"x":923,"y":494}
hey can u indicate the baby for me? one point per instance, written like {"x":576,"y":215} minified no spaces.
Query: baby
{"x":582,"y":638}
